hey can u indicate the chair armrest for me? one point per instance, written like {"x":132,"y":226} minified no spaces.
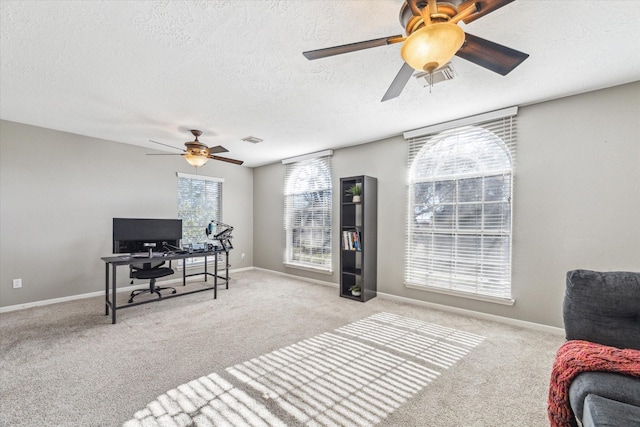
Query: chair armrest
{"x":620,"y":387}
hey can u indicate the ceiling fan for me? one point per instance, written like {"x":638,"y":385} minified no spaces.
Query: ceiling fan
{"x":197,"y":154}
{"x":434,"y":37}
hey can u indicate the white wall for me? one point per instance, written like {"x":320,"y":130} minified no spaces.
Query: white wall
{"x":60,"y":191}
{"x":576,"y":202}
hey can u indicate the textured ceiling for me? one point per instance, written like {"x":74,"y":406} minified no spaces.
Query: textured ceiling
{"x":138,"y":70}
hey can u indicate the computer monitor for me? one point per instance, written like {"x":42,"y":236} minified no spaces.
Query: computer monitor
{"x":131,"y":235}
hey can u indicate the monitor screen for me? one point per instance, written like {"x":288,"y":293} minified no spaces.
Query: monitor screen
{"x":130,"y":234}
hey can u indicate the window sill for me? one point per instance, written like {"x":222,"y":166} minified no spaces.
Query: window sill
{"x":485,"y":298}
{"x":320,"y":270}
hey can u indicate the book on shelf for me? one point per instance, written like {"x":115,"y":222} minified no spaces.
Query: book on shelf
{"x":352,"y":241}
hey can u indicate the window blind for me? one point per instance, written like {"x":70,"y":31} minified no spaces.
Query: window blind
{"x":307,"y":213}
{"x":460,"y":211}
{"x":199,"y":201}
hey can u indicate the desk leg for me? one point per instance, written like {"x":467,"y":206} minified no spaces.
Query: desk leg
{"x":113,"y":296}
{"x":106,"y":289}
{"x":226,"y":268}
{"x":205,"y":268}
{"x":215,"y":276}
{"x":184,"y":272}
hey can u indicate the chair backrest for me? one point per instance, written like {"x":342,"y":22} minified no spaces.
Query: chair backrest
{"x":149,"y":270}
{"x":147,"y":265}
{"x":603,"y":307}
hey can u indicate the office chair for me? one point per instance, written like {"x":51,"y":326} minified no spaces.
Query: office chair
{"x":151,"y":271}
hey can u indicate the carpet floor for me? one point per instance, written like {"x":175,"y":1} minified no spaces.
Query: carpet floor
{"x":274,"y":351}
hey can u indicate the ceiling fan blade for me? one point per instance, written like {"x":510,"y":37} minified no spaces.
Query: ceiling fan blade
{"x":398,"y":83}
{"x":484,"y":7}
{"x":163,"y":154}
{"x":225,"y":159}
{"x":492,"y":56}
{"x":217,"y":149}
{"x":351,"y":47}
{"x":166,"y":145}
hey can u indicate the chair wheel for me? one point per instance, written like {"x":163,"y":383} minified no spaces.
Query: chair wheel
{"x":174,"y":291}
{"x":131,"y":300}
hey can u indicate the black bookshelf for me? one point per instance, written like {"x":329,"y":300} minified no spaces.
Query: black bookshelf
{"x":359,"y":238}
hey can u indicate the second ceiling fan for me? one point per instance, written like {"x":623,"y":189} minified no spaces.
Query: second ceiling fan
{"x":197,"y":153}
{"x":434,"y":37}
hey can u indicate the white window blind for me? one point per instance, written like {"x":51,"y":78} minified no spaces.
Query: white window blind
{"x":460,"y":211}
{"x":199,"y":201}
{"x":307,"y":213}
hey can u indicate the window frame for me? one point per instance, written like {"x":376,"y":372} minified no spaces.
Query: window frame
{"x":318,"y":235}
{"x":217,"y":215}
{"x":502,"y":125}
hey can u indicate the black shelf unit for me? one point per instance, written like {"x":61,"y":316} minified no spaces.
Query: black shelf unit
{"x":359,"y":238}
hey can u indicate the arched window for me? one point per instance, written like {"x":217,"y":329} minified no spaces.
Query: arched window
{"x":307,"y":213}
{"x":459,"y":225}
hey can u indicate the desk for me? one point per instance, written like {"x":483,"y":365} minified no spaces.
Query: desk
{"x":118,"y":260}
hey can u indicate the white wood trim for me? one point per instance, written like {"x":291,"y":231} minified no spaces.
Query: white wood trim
{"x":475,"y":314}
{"x":468,"y":295}
{"x":461,"y":311}
{"x":293,"y":276}
{"x":17,"y":307}
{"x":320,"y":270}
{"x":492,"y":115}
{"x":308,"y":157}
{"x":200,"y":177}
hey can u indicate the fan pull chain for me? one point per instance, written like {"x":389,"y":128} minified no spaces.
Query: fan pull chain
{"x":430,"y":81}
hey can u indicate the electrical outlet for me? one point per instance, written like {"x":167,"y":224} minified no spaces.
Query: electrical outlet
{"x":242,"y":257}
{"x":17,"y":283}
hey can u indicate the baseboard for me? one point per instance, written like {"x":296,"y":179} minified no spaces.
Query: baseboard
{"x":238,"y":270}
{"x":24,"y":306}
{"x":455,"y":310}
{"x":293,"y":276}
{"x":475,"y":314}
{"x":65,"y":299}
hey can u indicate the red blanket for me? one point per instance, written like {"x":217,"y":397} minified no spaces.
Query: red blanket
{"x":575,"y":357}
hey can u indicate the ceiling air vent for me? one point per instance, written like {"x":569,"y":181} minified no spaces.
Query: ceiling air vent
{"x":443,"y":74}
{"x":252,"y":139}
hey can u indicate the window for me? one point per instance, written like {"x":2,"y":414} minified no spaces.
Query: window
{"x":459,"y":225}
{"x":307,"y":212}
{"x":199,"y":201}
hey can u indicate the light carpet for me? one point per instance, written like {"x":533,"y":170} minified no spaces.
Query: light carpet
{"x":356,"y":376}
{"x":250,"y":353}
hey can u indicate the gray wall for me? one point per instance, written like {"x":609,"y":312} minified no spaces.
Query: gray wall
{"x":60,"y":191}
{"x":576,"y":202}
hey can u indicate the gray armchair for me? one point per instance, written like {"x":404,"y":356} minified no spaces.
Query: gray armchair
{"x":600,"y":362}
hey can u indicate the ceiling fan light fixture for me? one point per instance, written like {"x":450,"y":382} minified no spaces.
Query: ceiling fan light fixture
{"x":195,"y":160}
{"x":433,"y":46}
